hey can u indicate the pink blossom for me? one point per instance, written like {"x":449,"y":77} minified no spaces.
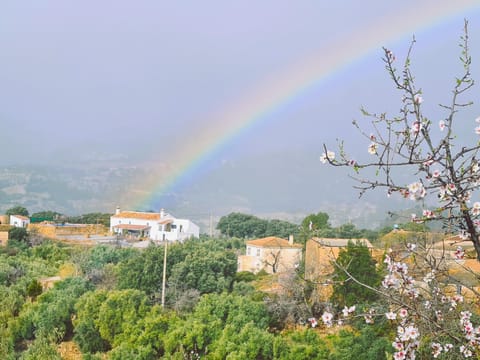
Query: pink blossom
{"x":372,"y":148}
{"x":451,"y":188}
{"x":428,"y":214}
{"x":391,"y":315}
{"x":416,"y":127}
{"x":459,"y":254}
{"x":397,"y":345}
{"x":329,"y":156}
{"x":403,"y":313}
{"x":390,"y":55}
{"x":476,"y":208}
{"x":327,"y":318}
{"x":416,"y":191}
{"x":477,"y":130}
{"x":436,"y":349}
{"x":436,"y":173}
{"x":418,"y":99}
{"x":466,"y":352}
{"x":441,"y":125}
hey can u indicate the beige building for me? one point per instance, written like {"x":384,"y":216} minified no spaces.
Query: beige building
{"x":272,"y":254}
{"x":4,"y":234}
{"x":320,"y":252}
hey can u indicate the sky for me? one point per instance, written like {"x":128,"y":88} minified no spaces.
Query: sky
{"x":213,"y":92}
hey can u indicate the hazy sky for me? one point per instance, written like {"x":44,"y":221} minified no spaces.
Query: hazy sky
{"x":142,"y":80}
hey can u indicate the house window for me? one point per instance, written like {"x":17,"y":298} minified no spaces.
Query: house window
{"x":258,"y":252}
{"x":181,"y":228}
{"x":248,"y":251}
{"x":174,"y":226}
{"x":168,"y":227}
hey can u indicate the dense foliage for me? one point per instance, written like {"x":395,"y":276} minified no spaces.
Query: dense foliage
{"x":17,"y":210}
{"x":109,"y":304}
{"x":249,"y":226}
{"x":354,"y":261}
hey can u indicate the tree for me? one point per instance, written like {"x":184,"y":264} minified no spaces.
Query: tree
{"x":47,"y":215}
{"x":445,"y":173}
{"x":354,"y":261}
{"x":91,"y":218}
{"x":316,"y":221}
{"x":120,"y":311}
{"x":430,"y":317}
{"x":249,"y":226}
{"x":19,"y":234}
{"x":241,"y":225}
{"x":205,"y":270}
{"x":17,"y":210}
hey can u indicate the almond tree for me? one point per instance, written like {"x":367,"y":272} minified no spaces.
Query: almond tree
{"x":430,"y":315}
{"x":446,"y":173}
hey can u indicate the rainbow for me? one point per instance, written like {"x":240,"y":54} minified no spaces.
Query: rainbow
{"x":281,"y":89}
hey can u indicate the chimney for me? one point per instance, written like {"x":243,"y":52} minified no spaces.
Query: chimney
{"x":290,"y":239}
{"x":117,"y":210}
{"x":162,"y":213}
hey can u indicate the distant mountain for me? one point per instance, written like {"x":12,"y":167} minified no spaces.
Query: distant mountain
{"x":283,"y":186}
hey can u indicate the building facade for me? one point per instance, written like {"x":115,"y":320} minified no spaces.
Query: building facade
{"x":154,"y":226}
{"x":19,"y":221}
{"x":272,"y":254}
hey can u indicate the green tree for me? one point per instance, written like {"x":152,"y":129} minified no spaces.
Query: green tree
{"x":91,"y":218}
{"x":206,"y":271}
{"x":214,"y":313}
{"x":366,"y":345}
{"x":86,"y":331}
{"x":354,"y":261}
{"x":18,"y":234}
{"x":242,"y":225}
{"x":281,"y":228}
{"x":120,"y":311}
{"x":300,"y":344}
{"x":34,"y":289}
{"x":43,"y":347}
{"x":318,"y":221}
{"x":249,"y":226}
{"x":17,"y":210}
{"x":52,"y":312}
{"x":47,"y":215}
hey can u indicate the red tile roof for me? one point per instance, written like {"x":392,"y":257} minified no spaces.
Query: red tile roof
{"x":273,"y":242}
{"x":21,"y":217}
{"x":138,"y":215}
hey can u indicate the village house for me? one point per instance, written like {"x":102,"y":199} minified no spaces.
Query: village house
{"x":154,"y":226}
{"x":272,"y":254}
{"x":320,"y":252}
{"x":19,"y":221}
{"x":4,"y":229}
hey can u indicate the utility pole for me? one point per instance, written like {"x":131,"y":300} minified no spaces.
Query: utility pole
{"x":164,"y":272}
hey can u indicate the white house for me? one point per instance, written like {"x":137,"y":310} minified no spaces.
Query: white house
{"x":19,"y":221}
{"x":154,"y":226}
